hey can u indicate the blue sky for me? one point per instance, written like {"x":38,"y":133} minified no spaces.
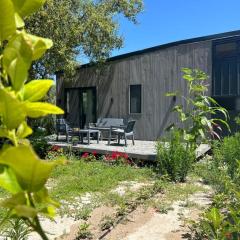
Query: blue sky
{"x":166,"y":21}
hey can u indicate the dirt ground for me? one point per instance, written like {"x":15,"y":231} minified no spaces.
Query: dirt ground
{"x":147,"y":224}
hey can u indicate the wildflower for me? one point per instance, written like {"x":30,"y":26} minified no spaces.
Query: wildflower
{"x":125,"y":155}
{"x":94,"y":153}
{"x":55,"y":148}
{"x":85,"y":155}
{"x":116,"y":155}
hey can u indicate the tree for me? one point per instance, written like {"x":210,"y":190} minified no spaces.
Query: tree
{"x":79,"y":28}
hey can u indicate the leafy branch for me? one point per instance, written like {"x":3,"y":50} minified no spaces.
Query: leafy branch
{"x":22,"y":173}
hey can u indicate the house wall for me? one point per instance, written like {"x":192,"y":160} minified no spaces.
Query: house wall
{"x":158,"y":72}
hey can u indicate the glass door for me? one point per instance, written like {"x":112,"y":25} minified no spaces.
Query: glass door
{"x":87,"y":106}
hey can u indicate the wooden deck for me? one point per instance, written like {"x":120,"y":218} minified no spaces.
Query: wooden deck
{"x":142,"y":150}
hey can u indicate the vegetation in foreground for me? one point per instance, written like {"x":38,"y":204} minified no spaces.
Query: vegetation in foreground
{"x":23,"y":174}
{"x":222,"y":220}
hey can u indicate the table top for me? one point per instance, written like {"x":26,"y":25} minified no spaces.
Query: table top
{"x":99,"y":128}
{"x":88,"y":130}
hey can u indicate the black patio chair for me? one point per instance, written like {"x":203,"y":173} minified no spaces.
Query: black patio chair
{"x":62,"y":127}
{"x":123,"y":132}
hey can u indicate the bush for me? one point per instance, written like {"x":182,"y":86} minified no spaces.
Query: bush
{"x":222,"y":219}
{"x":227,"y":155}
{"x":176,"y":159}
{"x":40,"y":144}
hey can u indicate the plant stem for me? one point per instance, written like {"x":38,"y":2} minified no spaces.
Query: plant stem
{"x":37,"y":226}
{"x":39,"y":229}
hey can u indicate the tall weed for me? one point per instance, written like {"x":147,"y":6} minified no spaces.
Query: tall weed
{"x":175,"y":158}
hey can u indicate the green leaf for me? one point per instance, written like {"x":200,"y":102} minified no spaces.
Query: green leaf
{"x":27,"y":7}
{"x":24,"y":130}
{"x":39,"y":46}
{"x":42,"y":196}
{"x":7,"y":20}
{"x":13,"y":201}
{"x":12,"y":110}
{"x":31,"y":172}
{"x":36,"y":90}
{"x":8,"y":180}
{"x":25,"y":211}
{"x":19,"y":21}
{"x":215,"y":217}
{"x":39,"y":109}
{"x":17,"y":58}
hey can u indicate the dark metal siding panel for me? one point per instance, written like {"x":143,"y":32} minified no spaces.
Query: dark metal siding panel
{"x":158,"y":72}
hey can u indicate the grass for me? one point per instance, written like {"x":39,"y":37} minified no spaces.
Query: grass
{"x":79,"y":177}
{"x":175,"y":192}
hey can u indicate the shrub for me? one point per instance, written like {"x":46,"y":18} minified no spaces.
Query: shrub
{"x":227,"y":154}
{"x":40,"y":146}
{"x":175,"y":158}
{"x":222,"y":219}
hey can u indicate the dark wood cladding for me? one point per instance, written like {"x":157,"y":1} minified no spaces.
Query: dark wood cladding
{"x":158,"y":72}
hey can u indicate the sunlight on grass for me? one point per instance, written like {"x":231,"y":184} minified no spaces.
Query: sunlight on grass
{"x":78,"y":177}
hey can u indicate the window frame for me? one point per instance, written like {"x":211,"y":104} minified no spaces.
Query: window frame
{"x":141,"y":98}
{"x":220,"y":59}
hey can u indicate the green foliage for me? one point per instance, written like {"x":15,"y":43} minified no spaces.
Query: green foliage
{"x":87,"y":28}
{"x":84,"y":213}
{"x":106,"y":223}
{"x":175,"y":157}
{"x":222,"y":220}
{"x":83,"y":232}
{"x":40,"y":145}
{"x":198,"y":111}
{"x":22,"y":174}
{"x":227,"y":153}
{"x":17,"y":230}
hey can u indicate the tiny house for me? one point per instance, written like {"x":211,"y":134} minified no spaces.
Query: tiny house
{"x":134,"y":85}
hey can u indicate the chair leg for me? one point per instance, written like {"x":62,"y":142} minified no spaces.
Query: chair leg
{"x":57,"y":137}
{"x":88,"y":137}
{"x":119,"y":139}
{"x":133,"y":140}
{"x":109,"y":137}
{"x":125,"y":137}
{"x":98,"y":134}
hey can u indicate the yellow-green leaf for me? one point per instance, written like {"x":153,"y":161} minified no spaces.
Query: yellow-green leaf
{"x":17,"y":58}
{"x":31,"y":172}
{"x":8,"y":180}
{"x":25,"y":211}
{"x":39,"y":46}
{"x":24,"y":130}
{"x":12,"y":110}
{"x":7,"y":20}
{"x":36,"y":90}
{"x":19,"y":21}
{"x":13,"y":201}
{"x":40,"y":109}
{"x":27,"y":7}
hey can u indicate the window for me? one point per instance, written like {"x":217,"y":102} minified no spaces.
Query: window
{"x":135,"y":98}
{"x":67,"y":104}
{"x":226,"y":49}
{"x":226,"y":68}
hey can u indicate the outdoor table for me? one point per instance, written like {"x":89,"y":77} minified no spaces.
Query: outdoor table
{"x":107,"y":129}
{"x":88,"y":132}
